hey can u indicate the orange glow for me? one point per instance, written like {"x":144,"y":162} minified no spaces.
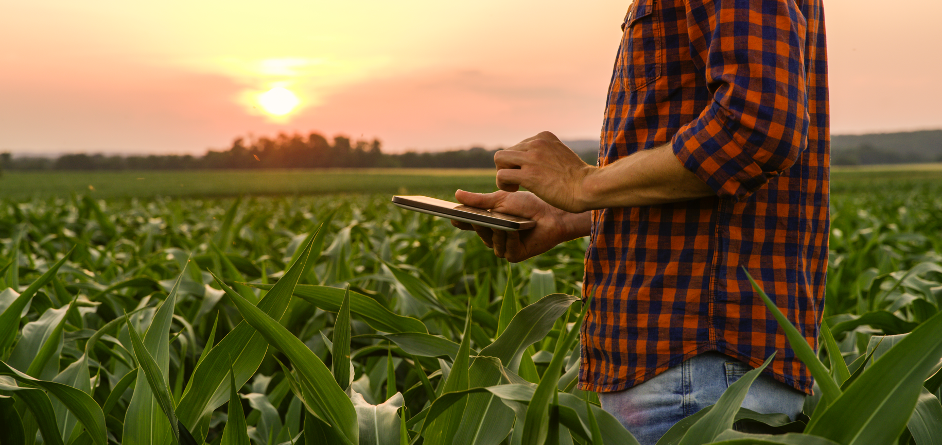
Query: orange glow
{"x":421,"y":74}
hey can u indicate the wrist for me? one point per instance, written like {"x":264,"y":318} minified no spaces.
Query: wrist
{"x":573,"y":225}
{"x":587,"y":196}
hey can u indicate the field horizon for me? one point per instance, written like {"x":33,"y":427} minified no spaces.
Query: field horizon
{"x":294,"y":182}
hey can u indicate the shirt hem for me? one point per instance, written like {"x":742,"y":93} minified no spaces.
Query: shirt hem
{"x":643,"y":377}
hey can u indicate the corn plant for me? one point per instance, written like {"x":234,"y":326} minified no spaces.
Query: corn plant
{"x":314,"y":320}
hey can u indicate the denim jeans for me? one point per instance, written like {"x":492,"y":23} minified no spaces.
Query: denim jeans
{"x":648,"y":410}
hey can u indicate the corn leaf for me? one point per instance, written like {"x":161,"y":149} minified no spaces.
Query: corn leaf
{"x":722,"y":414}
{"x":830,"y":389}
{"x":536,"y":422}
{"x":838,"y":368}
{"x":340,"y":349}
{"x":379,"y":424}
{"x":443,"y":430}
{"x":527,"y":327}
{"x":235,"y":431}
{"x":10,"y":318}
{"x":876,"y":408}
{"x":373,"y":313}
{"x":731,"y":437}
{"x":12,"y":431}
{"x":37,"y":402}
{"x":80,"y":404}
{"x":925,"y":423}
{"x":150,"y":416}
{"x":328,"y":398}
{"x":40,"y":342}
{"x":244,"y":347}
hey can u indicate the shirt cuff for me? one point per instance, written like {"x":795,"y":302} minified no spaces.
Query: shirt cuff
{"x":711,"y":151}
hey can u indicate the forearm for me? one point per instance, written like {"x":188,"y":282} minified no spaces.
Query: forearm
{"x":648,"y":177}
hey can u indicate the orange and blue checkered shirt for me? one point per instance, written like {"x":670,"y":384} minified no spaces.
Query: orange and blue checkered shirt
{"x":738,"y":88}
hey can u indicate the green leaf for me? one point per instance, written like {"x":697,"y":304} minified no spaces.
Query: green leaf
{"x":390,"y":375}
{"x":209,"y":342}
{"x":12,"y":432}
{"x":508,"y":305}
{"x":925,"y":422}
{"x":882,"y":320}
{"x":542,"y":283}
{"x":424,"y":345}
{"x":593,"y":425}
{"x":329,"y":400}
{"x":340,"y":353}
{"x":155,"y":380}
{"x":37,"y":402}
{"x":75,"y":375}
{"x":830,"y":389}
{"x":731,"y":437}
{"x":723,"y":413}
{"x":527,"y":327}
{"x":118,"y":390}
{"x":536,"y":421}
{"x":613,"y":433}
{"x":378,"y":424}
{"x":486,"y":420}
{"x":243,"y":347}
{"x":877,"y":405}
{"x":838,"y":369}
{"x":10,"y":318}
{"x":443,"y":430}
{"x":150,"y":416}
{"x":40,"y":342}
{"x":222,"y":236}
{"x":80,"y":404}
{"x":416,"y":287}
{"x":373,"y":313}
{"x":235,"y":431}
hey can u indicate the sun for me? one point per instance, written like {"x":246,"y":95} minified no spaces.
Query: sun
{"x":278,"y":101}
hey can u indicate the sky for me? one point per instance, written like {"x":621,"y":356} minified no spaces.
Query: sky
{"x":181,"y":77}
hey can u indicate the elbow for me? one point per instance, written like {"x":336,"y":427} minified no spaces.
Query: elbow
{"x":774,"y":137}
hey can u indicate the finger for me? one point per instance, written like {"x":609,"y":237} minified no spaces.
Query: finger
{"x":462,"y":225}
{"x":514,"y":249}
{"x":499,"y":242}
{"x":485,"y":234}
{"x":511,"y":159}
{"x":480,"y":200}
{"x":509,"y":179}
{"x":543,"y":135}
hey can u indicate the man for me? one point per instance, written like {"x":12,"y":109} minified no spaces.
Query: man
{"x":713,"y":163}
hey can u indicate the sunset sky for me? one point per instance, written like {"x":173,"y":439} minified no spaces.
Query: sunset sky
{"x":184,"y":76}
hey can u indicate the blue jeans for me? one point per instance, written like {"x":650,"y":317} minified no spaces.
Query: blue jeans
{"x":648,"y":410}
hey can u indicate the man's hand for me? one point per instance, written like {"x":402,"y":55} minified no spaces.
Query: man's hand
{"x":554,"y":226}
{"x":547,"y":167}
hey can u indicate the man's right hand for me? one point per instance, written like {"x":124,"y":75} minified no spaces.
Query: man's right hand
{"x":554,"y":226}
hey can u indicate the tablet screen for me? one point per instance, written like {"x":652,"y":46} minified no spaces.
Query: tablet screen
{"x":472,"y":215}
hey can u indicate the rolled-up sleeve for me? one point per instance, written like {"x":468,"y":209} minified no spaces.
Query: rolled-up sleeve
{"x":756,"y":126}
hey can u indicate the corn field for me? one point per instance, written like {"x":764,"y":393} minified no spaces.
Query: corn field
{"x":344,"y":320}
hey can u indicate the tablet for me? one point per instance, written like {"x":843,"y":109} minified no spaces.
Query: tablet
{"x":463,"y":213}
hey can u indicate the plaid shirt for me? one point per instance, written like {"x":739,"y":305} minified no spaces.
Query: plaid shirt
{"x":739,"y":90}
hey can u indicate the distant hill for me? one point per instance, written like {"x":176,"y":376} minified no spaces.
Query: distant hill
{"x":909,"y":147}
{"x":888,"y":148}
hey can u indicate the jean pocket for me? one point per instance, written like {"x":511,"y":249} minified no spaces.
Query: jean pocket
{"x":641,"y":58}
{"x":734,"y":370}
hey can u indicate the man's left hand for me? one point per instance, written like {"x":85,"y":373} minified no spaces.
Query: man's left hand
{"x":547,"y":167}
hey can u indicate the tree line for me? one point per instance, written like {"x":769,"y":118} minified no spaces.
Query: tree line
{"x":281,"y":151}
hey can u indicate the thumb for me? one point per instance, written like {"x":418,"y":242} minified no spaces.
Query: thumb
{"x":480,"y":200}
